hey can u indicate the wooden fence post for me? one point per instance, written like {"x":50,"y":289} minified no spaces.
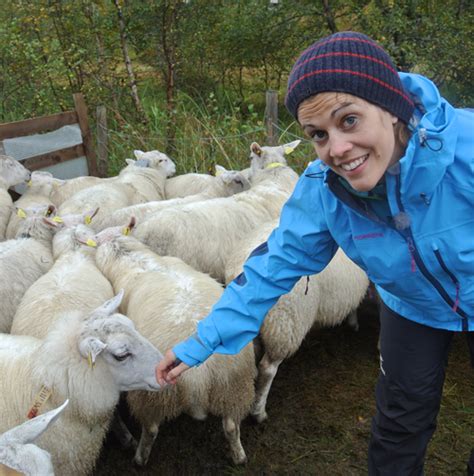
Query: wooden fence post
{"x":271,"y":116}
{"x":102,"y":141}
{"x":81,"y":111}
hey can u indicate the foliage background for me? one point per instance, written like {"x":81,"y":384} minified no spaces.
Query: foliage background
{"x":197,"y":70}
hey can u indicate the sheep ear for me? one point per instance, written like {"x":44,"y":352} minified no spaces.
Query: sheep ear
{"x":59,"y":182}
{"x":219,"y":170}
{"x":50,"y":211}
{"x":291,"y":146}
{"x":88,"y":216}
{"x":110,"y":306}
{"x":138,"y":154}
{"x":54,"y":222}
{"x":256,"y":149}
{"x":126,"y":230}
{"x":129,"y":161}
{"x":30,"y":430}
{"x":84,"y":238}
{"x":90,"y":348}
{"x":142,"y":163}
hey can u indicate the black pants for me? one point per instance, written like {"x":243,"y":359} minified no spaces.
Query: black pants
{"x":413,"y":359}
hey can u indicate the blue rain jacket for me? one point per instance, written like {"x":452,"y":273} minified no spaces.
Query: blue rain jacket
{"x":421,"y":259}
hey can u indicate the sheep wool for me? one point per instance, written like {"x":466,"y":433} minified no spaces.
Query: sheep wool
{"x":324,"y":300}
{"x":84,"y":358}
{"x":204,"y":233}
{"x":166,"y":298}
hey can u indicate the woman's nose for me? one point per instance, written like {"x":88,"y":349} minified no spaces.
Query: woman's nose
{"x":339,"y":145}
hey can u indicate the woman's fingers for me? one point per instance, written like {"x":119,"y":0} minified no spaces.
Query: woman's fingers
{"x":169,"y":369}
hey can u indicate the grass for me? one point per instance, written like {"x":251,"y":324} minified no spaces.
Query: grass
{"x":208,"y":131}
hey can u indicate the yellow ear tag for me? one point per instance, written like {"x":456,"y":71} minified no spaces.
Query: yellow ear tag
{"x":91,"y":242}
{"x":21,"y":213}
{"x":29,"y":183}
{"x":126,"y":231}
{"x":87,"y":220}
{"x":57,"y":219}
{"x":218,"y":172}
{"x":273,"y":165}
{"x":288,"y":150}
{"x":89,"y":360}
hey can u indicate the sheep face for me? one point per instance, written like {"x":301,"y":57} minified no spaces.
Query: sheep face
{"x":157,"y":160}
{"x":262,"y":157}
{"x":235,"y":181}
{"x":41,"y":182}
{"x":129,"y":357}
{"x":12,"y":172}
{"x":32,"y":223}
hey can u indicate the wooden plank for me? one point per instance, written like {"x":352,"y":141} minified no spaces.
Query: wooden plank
{"x":53,"y":158}
{"x":271,"y":116}
{"x":81,"y":110}
{"x":37,"y":125}
{"x":102,"y":141}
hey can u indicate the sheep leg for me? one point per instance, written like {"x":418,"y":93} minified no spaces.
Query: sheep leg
{"x":232,"y":433}
{"x":147,"y":438}
{"x":267,"y":370}
{"x":121,"y":432}
{"x":353,"y":321}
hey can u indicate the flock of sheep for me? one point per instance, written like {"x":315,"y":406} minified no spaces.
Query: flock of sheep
{"x":97,"y":274}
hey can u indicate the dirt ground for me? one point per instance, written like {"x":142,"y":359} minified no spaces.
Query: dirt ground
{"x":319,"y":410}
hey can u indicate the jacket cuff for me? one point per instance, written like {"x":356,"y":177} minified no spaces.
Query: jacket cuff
{"x":191,"y":351}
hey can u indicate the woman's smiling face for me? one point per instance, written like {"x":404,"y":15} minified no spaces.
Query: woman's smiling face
{"x":352,"y":136}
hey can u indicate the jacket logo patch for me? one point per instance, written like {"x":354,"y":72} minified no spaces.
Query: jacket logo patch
{"x":368,"y":236}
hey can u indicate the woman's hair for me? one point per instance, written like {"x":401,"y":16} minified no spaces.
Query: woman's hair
{"x":402,"y":134}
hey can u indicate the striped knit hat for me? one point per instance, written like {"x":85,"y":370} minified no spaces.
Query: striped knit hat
{"x":352,"y":63}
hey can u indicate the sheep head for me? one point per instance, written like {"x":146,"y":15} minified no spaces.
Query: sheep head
{"x":129,"y":357}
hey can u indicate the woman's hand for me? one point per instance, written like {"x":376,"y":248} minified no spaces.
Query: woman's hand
{"x":169,"y":369}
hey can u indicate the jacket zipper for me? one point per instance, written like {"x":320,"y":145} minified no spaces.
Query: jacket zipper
{"x":451,"y":275}
{"x":414,"y":254}
{"x":408,"y":235}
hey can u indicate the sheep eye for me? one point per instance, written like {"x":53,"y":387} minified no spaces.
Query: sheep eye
{"x":122,"y":357}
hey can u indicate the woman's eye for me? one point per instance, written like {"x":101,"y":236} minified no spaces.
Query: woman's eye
{"x":350,"y":121}
{"x":318,"y":136}
{"x":122,"y":357}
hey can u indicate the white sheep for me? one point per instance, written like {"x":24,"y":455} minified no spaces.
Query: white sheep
{"x":22,"y":262}
{"x":73,"y":282}
{"x":155,"y":159}
{"x":324,"y":300}
{"x":65,"y":189}
{"x":36,"y":196}
{"x":267,"y":157}
{"x":203,"y":234}
{"x":136,"y":183}
{"x":87,"y":358}
{"x":17,"y":451}
{"x":188,"y":184}
{"x":227,"y":183}
{"x":166,"y":298}
{"x":12,"y":173}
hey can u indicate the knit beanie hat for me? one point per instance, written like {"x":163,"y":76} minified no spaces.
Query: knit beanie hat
{"x":352,"y":63}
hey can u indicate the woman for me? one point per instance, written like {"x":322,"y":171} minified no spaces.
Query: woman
{"x":394,"y":188}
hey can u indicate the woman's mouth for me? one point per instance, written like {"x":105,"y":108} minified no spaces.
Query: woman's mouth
{"x":350,"y":166}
